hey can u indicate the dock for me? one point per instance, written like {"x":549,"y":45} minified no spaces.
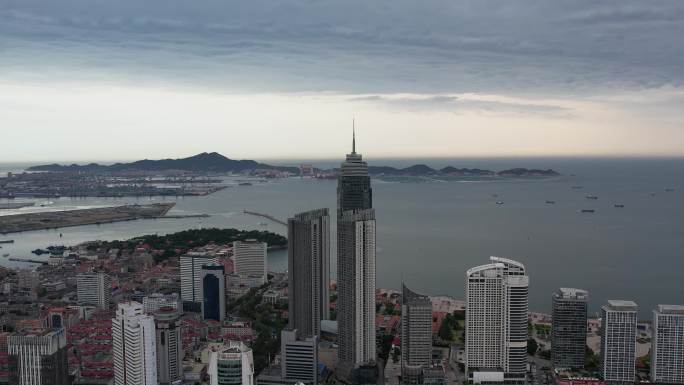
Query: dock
{"x":269,"y":217}
{"x":96,"y":216}
{"x":28,"y":260}
{"x":13,"y":206}
{"x":7,"y":241}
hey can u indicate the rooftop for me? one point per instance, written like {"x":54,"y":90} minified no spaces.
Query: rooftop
{"x":571,"y":293}
{"x":671,"y":309}
{"x":620,"y":304}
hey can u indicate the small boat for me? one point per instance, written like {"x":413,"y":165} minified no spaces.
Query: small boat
{"x":577,"y":187}
{"x":588,"y":210}
{"x":244,"y":184}
{"x":550,"y":202}
{"x":495,"y":195}
{"x":619,"y":206}
{"x":594,"y":197}
{"x":6,"y":255}
{"x":499,"y":202}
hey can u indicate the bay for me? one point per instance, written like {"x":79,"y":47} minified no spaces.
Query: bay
{"x":429,"y":234}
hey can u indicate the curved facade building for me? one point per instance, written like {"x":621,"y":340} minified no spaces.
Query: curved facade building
{"x":496,"y":322}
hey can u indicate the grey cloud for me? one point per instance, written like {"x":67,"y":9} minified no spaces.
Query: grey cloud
{"x":450,"y":103}
{"x":353,"y":46}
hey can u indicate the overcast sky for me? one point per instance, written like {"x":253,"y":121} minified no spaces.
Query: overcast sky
{"x":130,"y":79}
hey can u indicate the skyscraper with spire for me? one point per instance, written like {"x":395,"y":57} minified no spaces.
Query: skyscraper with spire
{"x":353,"y":187}
{"x":356,"y":271}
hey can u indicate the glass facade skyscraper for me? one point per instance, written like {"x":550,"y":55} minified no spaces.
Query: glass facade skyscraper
{"x":569,"y":328}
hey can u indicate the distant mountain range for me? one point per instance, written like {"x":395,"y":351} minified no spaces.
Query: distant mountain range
{"x":204,"y":162}
{"x":424,"y":170}
{"x":215,"y":162}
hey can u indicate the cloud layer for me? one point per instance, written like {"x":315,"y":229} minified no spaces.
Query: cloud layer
{"x":354,"y":45}
{"x":479,"y":77}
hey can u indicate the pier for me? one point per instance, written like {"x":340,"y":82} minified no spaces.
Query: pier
{"x":68,"y":218}
{"x":269,"y":217}
{"x":28,"y":260}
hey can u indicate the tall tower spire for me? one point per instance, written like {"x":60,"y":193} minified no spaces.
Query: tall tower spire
{"x":353,"y":136}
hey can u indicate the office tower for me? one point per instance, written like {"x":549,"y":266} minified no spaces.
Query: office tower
{"x":618,"y":341}
{"x":249,"y":258}
{"x":38,"y":357}
{"x":569,"y":328}
{"x":94,"y":289}
{"x":355,"y":271}
{"x":309,"y":271}
{"x":353,"y":186}
{"x":169,"y":345}
{"x":213,"y":292}
{"x":496,"y":322}
{"x":356,"y":288}
{"x":232,"y":364}
{"x":299,"y":357}
{"x":153,"y":302}
{"x":416,"y":335}
{"x":667,"y":350}
{"x":135,"y":346}
{"x":191,"y":278}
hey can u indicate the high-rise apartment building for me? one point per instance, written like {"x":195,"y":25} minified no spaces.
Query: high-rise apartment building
{"x":356,"y":288}
{"x":667,"y":349}
{"x":618,"y":341}
{"x":299,"y":357}
{"x":213,"y":292}
{"x":232,"y":364}
{"x":38,"y":357}
{"x":569,"y":328}
{"x":355,"y":271}
{"x":309,"y":271}
{"x":94,"y":289}
{"x":496,"y":322}
{"x":416,"y":335}
{"x":134,"y":346}
{"x":191,"y":278}
{"x":249,"y":258}
{"x":169,"y":345}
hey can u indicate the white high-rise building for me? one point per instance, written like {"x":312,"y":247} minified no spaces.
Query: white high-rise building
{"x":249,"y":258}
{"x":191,"y":275}
{"x":299,"y":357}
{"x":308,"y":270}
{"x":94,"y":289}
{"x":135,"y":346}
{"x":496,"y":322}
{"x":618,"y":341}
{"x":356,"y":289}
{"x":667,"y":350}
{"x":232,"y":364}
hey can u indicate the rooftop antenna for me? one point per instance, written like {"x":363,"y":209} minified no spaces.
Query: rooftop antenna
{"x":353,"y":136}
